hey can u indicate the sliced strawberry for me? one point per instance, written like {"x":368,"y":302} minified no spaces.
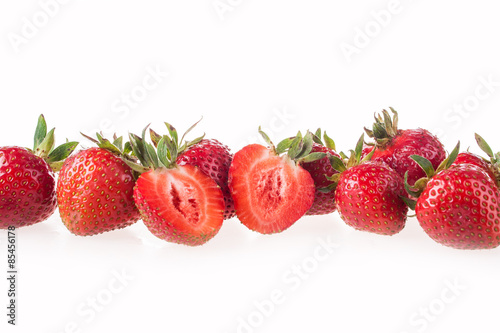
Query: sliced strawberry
{"x":180,"y":205}
{"x":270,"y":192}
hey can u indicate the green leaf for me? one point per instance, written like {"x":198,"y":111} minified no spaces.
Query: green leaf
{"x":296,"y":146}
{"x":409,"y":202}
{"x":127,"y":149}
{"x":453,"y":155}
{"x":190,"y":128}
{"x":307,"y":144}
{"x":46,"y":146}
{"x":283,"y":145}
{"x":359,"y":147}
{"x":173,"y":133}
{"x":388,"y":123}
{"x":328,"y":188}
{"x":395,"y":120}
{"x":369,"y":156}
{"x":379,"y":131}
{"x":317,"y":136}
{"x":172,"y":150}
{"x":40,"y":132}
{"x":155,"y":137}
{"x":329,"y":143}
{"x":191,"y":143}
{"x":151,"y":153}
{"x":62,"y":152}
{"x":163,"y":151}
{"x":136,"y":167}
{"x":369,"y":132}
{"x":91,"y":139}
{"x":265,"y":137}
{"x":484,"y":145}
{"x":138,"y":149}
{"x":425,"y":164}
{"x":118,"y":143}
{"x":105,"y":144}
{"x":312,"y":157}
{"x":337,"y":163}
{"x":409,"y":189}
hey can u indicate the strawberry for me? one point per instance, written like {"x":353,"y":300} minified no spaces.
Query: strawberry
{"x":271,"y":191}
{"x":178,"y":203}
{"x":457,"y":205}
{"x":27,"y":181}
{"x":470,"y":158}
{"x":319,"y":170}
{"x":395,"y":146}
{"x":213,"y":158}
{"x":95,"y":189}
{"x":369,"y":194}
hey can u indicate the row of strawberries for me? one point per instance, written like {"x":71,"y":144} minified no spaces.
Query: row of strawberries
{"x":183,"y":190}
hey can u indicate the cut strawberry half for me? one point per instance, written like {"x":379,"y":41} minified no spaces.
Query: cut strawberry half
{"x":270,"y":192}
{"x":181,"y":205}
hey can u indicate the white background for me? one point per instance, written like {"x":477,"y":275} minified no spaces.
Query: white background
{"x":278,"y":64}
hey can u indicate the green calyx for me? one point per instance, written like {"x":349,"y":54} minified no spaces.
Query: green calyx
{"x":297,"y":148}
{"x":494,"y":158}
{"x":44,"y":146}
{"x":344,"y":163}
{"x":162,"y":152}
{"x":420,"y":185}
{"x":384,"y":128}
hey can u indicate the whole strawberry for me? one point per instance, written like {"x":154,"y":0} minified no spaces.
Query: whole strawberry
{"x":370,"y":195}
{"x":271,"y":190}
{"x":27,"y":182}
{"x":95,"y":189}
{"x":178,"y":203}
{"x":324,"y":201}
{"x":470,"y":158}
{"x":395,"y":146}
{"x":457,"y":204}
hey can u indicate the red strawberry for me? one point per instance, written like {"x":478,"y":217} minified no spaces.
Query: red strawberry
{"x":95,"y":190}
{"x":395,"y":146}
{"x":368,"y":198}
{"x":179,"y":204}
{"x":459,"y":208}
{"x":213,"y":158}
{"x":271,"y":191}
{"x":370,"y":195}
{"x":470,"y":158}
{"x":27,"y":182}
{"x":319,"y":170}
{"x":457,"y":205}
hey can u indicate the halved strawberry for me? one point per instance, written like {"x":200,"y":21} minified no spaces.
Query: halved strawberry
{"x":178,"y":203}
{"x":181,"y":205}
{"x":270,"y":191}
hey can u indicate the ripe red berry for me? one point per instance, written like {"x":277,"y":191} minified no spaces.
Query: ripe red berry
{"x":368,"y":198}
{"x":459,"y":208}
{"x":95,"y":193}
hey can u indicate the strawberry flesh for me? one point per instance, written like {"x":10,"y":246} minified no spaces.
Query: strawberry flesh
{"x":270,"y":192}
{"x":180,"y":205}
